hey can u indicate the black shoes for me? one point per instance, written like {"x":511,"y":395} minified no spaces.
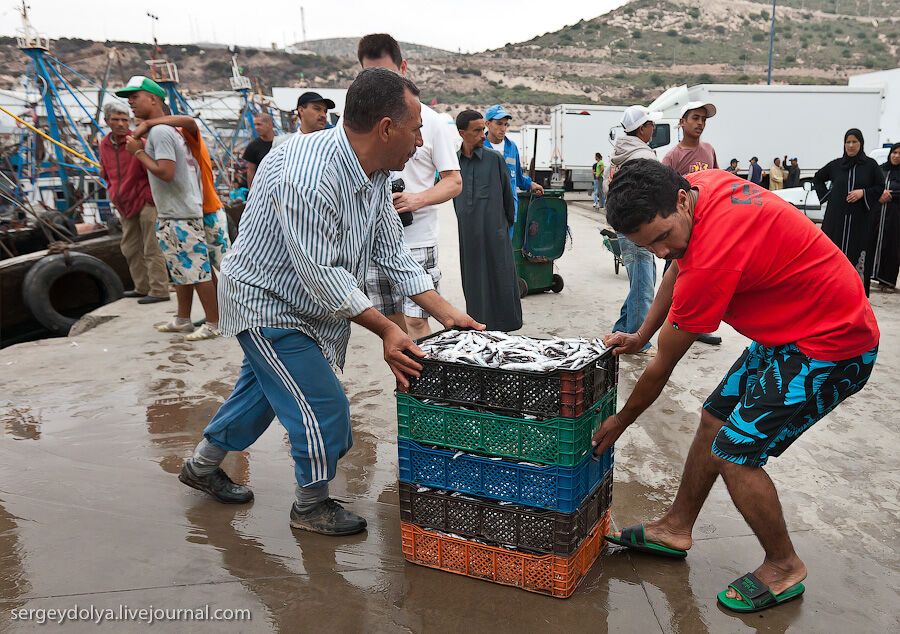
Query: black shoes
{"x":712,"y":340}
{"x":150,"y":299}
{"x":327,"y":518}
{"x":217,"y":484}
{"x":132,"y":294}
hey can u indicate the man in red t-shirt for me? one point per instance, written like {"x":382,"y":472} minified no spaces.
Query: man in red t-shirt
{"x":743,"y":256}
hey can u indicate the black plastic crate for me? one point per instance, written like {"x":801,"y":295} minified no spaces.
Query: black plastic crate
{"x":560,"y":393}
{"x":524,"y":528}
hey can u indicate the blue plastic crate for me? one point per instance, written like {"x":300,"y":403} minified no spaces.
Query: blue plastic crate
{"x":549,"y":487}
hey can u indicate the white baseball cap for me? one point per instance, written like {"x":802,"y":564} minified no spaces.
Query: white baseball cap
{"x":636,"y":116}
{"x":694,"y":105}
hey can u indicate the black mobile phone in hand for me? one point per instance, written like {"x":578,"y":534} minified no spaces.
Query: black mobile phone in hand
{"x":397,"y":186}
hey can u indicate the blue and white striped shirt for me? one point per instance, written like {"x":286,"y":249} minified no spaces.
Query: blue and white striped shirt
{"x":312,"y":224}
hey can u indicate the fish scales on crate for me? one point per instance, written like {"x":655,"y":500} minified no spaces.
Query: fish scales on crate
{"x":494,"y":349}
{"x":515,"y":374}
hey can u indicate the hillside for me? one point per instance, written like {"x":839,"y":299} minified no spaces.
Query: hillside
{"x":199,"y":69}
{"x":347,"y":46}
{"x":629,"y":55}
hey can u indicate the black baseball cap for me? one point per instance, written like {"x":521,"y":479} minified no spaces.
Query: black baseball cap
{"x":310,"y":97}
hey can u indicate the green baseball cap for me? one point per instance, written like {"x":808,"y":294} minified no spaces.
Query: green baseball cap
{"x":139,"y":82}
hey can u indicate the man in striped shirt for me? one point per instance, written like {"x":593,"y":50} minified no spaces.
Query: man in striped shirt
{"x":319,"y":212}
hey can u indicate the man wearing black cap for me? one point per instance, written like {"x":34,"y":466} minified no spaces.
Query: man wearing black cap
{"x":312,"y":111}
{"x":312,"y":116}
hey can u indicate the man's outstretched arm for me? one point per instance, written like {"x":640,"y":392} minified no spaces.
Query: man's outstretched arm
{"x":673,"y":344}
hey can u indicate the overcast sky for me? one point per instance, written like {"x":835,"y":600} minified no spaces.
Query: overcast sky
{"x":465,"y":25}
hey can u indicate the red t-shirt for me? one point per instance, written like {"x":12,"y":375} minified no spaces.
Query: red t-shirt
{"x":758,"y":264}
{"x":687,"y":160}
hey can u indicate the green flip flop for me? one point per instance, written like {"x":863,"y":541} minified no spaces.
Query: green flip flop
{"x":756,"y":596}
{"x":635,"y":538}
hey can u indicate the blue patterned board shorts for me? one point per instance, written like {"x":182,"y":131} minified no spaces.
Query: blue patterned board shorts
{"x":772,"y":395}
{"x":215,"y":226}
{"x":183,"y":245}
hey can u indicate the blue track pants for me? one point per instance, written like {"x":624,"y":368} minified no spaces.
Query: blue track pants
{"x":284,"y":374}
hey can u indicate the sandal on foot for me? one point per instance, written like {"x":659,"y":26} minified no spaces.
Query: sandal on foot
{"x":755,"y":595}
{"x":635,"y":538}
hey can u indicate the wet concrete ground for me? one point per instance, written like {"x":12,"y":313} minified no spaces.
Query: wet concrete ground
{"x":94,"y":429}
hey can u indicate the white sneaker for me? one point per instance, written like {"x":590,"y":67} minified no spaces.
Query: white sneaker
{"x":174,"y":326}
{"x":203,"y":332}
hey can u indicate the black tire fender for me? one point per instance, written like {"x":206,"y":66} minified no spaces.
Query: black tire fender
{"x":45,"y":272}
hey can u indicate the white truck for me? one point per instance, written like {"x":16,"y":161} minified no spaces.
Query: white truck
{"x":807,"y":122}
{"x":889,"y":81}
{"x":579,"y":131}
{"x":537,"y":143}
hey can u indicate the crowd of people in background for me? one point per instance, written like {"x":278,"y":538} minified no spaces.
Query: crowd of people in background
{"x":341,"y":225}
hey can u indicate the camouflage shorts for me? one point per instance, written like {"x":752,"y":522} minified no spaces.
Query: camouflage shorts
{"x":183,"y":245}
{"x":215,"y":226}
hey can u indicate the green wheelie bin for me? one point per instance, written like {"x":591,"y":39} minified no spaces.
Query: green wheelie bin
{"x":539,"y":238}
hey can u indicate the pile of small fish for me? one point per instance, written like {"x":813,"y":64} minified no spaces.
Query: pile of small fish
{"x":493,"y":349}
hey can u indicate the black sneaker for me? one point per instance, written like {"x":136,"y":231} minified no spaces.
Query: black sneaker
{"x":712,"y":340}
{"x":133,"y":294}
{"x":150,"y":299}
{"x":217,"y":484}
{"x":327,"y":518}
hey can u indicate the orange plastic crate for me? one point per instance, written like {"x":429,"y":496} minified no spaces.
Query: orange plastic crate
{"x":544,"y":574}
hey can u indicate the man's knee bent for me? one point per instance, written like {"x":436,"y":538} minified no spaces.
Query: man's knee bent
{"x":709,"y":424}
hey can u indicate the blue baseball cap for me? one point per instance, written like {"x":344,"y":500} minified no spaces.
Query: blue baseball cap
{"x":496,"y":112}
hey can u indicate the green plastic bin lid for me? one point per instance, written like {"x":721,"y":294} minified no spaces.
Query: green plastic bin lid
{"x":546,"y":224}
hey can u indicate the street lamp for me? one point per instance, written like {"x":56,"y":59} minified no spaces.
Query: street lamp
{"x":771,"y":42}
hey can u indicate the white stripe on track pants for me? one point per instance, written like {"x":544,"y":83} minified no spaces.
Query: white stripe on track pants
{"x":285,"y":374}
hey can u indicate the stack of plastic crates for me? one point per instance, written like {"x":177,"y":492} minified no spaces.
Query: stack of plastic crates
{"x":497,"y":476}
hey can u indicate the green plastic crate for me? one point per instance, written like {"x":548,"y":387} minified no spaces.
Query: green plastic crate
{"x":552,"y":441}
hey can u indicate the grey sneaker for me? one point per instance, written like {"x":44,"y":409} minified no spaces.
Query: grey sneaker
{"x":327,"y":518}
{"x":216,"y":484}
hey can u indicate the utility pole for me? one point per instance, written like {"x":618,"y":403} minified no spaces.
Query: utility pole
{"x":153,"y":20}
{"x":303,"y":23}
{"x":771,"y":42}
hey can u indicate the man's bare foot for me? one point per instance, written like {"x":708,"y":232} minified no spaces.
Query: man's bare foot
{"x":658,"y":533}
{"x":779,"y":577}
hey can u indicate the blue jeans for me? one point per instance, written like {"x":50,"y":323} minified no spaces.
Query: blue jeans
{"x":599,"y":198}
{"x":285,"y":374}
{"x":640,"y":265}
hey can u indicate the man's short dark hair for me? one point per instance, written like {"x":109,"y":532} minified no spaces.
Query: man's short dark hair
{"x":464,"y":118}
{"x":641,"y":190}
{"x":376,"y":46}
{"x":374,"y":94}
{"x":754,"y":159}
{"x":733,"y":161}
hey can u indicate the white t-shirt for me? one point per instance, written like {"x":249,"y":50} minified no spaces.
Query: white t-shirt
{"x":437,"y":154}
{"x":499,"y":147}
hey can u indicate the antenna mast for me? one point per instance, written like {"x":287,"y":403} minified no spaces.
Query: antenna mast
{"x":303,"y":23}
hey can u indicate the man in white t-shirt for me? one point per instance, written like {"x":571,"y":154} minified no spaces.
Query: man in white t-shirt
{"x":420,"y":196}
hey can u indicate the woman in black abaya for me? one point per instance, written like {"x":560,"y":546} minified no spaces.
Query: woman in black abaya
{"x":887,"y":225}
{"x":856,"y":185}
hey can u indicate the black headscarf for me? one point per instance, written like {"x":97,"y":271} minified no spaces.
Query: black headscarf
{"x":860,"y":158}
{"x":887,"y":166}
